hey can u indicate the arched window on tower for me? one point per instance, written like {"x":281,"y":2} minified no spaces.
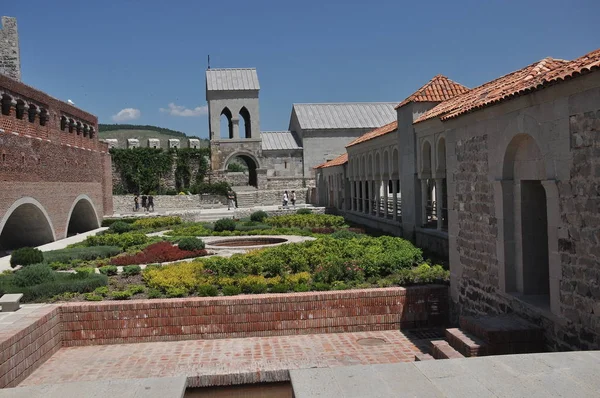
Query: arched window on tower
{"x":245,"y":119}
{"x":226,"y":124}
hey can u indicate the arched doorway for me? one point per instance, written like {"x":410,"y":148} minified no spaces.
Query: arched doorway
{"x":247,"y":165}
{"x":526,"y":221}
{"x":83,"y":216}
{"x":26,"y":223}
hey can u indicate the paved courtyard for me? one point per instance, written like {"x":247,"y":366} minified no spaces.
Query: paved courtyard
{"x":224,"y":361}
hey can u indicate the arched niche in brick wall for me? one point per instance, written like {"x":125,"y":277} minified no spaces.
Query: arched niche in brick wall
{"x":82,"y":217}
{"x":25,"y":223}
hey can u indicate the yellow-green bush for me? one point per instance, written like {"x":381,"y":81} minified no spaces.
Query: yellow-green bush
{"x":306,"y":221}
{"x":185,"y":275}
{"x":156,"y":222}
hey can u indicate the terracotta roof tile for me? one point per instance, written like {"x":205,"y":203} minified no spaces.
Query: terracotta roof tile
{"x":383,"y":130}
{"x":532,"y":77}
{"x":438,"y":89}
{"x":340,"y":160}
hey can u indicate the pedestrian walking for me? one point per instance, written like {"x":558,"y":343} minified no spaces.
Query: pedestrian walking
{"x":136,"y":202}
{"x":285,"y":199}
{"x":294,"y":199}
{"x":230,"y":199}
{"x":144,"y":202}
{"x":150,"y":203}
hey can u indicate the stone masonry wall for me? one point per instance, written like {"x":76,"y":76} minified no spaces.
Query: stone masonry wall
{"x":124,"y":203}
{"x":477,"y":229}
{"x":579,"y":203}
{"x":10,"y":55}
{"x":253,"y":315}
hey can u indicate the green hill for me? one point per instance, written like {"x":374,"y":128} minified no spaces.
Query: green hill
{"x":122,"y":132}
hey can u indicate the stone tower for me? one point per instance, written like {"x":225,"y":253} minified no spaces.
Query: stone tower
{"x":232,"y":96}
{"x":10,"y":57}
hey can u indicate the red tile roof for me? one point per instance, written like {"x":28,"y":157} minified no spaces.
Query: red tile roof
{"x":438,"y":89}
{"x":532,"y":77}
{"x":383,"y":130}
{"x":340,"y":160}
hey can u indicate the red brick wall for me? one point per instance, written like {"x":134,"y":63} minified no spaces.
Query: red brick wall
{"x":25,"y":345}
{"x":46,"y":163}
{"x":246,"y":316}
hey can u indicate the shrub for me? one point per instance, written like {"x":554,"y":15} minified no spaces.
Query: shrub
{"x":191,"y":244}
{"x":92,"y":297}
{"x":224,"y":224}
{"x":101,"y":291}
{"x":124,"y":241}
{"x":307,"y":221}
{"x":183,"y":275}
{"x":120,"y":227}
{"x":108,"y":270}
{"x":302,"y":287}
{"x":304,"y":211}
{"x":154,"y":293}
{"x":136,"y":289}
{"x":176,"y":292}
{"x":84,"y":272}
{"x":131,"y":270}
{"x":107,"y":222}
{"x":339,"y":285}
{"x":320,"y":286}
{"x":33,"y":275}
{"x":57,"y":266}
{"x":61,"y":284}
{"x":345,"y":234}
{"x":231,"y":290}
{"x":159,"y":252}
{"x":157,"y":222}
{"x":258,"y":216}
{"x":81,"y":253}
{"x":26,"y":256}
{"x":206,"y":290}
{"x":280,"y":288}
{"x":253,"y":284}
{"x":121,"y":295}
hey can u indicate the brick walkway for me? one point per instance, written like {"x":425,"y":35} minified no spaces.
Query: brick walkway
{"x":224,"y":361}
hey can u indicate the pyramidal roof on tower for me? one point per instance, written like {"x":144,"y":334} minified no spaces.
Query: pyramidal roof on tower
{"x":438,"y":89}
{"x":232,"y":79}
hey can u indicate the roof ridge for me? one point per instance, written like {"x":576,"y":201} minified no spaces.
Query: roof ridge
{"x":439,"y":94}
{"x":209,"y":69}
{"x":341,"y":103}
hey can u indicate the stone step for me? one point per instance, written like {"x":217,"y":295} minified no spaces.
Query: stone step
{"x":465,"y":343}
{"x":440,"y":349}
{"x":505,"y":334}
{"x":423,"y":357}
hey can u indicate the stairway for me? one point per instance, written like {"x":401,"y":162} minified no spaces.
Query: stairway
{"x":486,"y":335}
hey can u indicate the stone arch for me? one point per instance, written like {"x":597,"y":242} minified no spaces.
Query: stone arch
{"x":245,"y":116}
{"x":250,"y":160}
{"x":529,"y":217}
{"x":229,"y":119}
{"x":82,"y":216}
{"x":440,"y":155}
{"x":25,"y":223}
{"x":425,"y":157}
{"x":6,"y":102}
{"x":20,"y":109}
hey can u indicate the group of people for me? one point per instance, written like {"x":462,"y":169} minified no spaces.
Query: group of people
{"x":147,"y":203}
{"x":289,"y":198}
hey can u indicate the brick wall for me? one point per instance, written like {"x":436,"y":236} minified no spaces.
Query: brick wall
{"x":25,"y":345}
{"x":246,"y":316}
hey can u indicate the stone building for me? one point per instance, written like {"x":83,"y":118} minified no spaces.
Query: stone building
{"x":55,"y":174}
{"x":277,"y":160}
{"x":518,"y":165}
{"x":10,"y":55}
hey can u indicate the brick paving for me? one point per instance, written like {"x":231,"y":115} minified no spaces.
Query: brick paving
{"x":224,"y":361}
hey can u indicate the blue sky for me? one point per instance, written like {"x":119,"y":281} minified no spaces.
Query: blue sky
{"x":144,"y":55}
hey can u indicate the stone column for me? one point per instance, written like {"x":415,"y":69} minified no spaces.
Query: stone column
{"x":236,"y":128}
{"x":395,"y":198}
{"x":385,"y":198}
{"x":424,"y":201}
{"x":363,"y":190}
{"x":439,"y":201}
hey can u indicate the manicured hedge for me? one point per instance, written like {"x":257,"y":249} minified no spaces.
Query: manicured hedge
{"x":26,"y":256}
{"x":123,"y":241}
{"x":81,"y":253}
{"x":306,"y":221}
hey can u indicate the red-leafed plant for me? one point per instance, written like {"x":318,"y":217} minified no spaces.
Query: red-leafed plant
{"x":157,"y":253}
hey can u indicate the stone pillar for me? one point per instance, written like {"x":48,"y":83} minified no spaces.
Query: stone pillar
{"x":395,"y":198}
{"x":385,"y":198}
{"x":236,"y":128}
{"x":439,"y":201}
{"x":423,"y":201}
